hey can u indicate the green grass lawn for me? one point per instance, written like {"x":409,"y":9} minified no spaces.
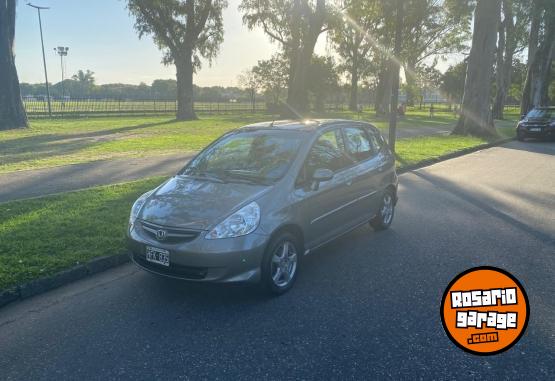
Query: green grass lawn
{"x":49,"y":143}
{"x":42,"y":236}
{"x":45,"y":235}
{"x":412,"y":151}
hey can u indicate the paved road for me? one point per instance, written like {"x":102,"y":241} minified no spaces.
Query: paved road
{"x":33,"y":183}
{"x":364,"y":307}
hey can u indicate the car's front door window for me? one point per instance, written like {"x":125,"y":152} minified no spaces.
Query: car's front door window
{"x":327,"y":152}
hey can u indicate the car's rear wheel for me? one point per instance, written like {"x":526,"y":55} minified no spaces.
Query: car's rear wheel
{"x":281,"y":263}
{"x":384,"y":218}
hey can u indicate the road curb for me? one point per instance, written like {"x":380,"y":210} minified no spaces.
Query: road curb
{"x":424,"y":163}
{"x":44,"y":284}
{"x":96,"y":265}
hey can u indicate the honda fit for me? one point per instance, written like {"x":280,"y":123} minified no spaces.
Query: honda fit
{"x":252,"y":203}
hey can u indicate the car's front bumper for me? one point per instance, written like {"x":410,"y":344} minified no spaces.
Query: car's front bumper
{"x":220,"y":260}
{"x":538,"y":132}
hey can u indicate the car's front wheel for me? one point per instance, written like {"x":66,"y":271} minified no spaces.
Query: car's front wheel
{"x":281,"y":263}
{"x":520,"y":135}
{"x":387,"y":210}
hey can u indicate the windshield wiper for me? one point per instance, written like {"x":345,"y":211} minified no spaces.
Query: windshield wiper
{"x":205,"y":175}
{"x":247,"y":176}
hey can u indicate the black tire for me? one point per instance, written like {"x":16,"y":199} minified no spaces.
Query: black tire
{"x":268,"y":266}
{"x":384,"y":218}
{"x":520,"y":136}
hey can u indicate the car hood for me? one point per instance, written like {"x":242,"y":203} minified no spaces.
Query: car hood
{"x":188,"y":202}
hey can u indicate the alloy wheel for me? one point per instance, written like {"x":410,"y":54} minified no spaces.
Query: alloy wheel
{"x":284,"y":264}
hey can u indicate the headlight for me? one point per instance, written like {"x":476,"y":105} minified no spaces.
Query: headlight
{"x":242,"y":222}
{"x":136,"y":208}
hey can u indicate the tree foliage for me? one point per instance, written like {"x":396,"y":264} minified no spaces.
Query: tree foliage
{"x":272,"y":75}
{"x":323,"y":80}
{"x":452,"y":81}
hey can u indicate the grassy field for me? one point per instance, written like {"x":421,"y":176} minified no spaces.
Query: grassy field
{"x":49,"y":143}
{"x":41,"y":236}
{"x":414,"y":150}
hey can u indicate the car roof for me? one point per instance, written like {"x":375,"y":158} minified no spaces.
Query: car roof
{"x":300,"y":125}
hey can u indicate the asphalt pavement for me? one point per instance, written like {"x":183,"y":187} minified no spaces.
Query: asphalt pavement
{"x":39,"y":182}
{"x":364,"y":307}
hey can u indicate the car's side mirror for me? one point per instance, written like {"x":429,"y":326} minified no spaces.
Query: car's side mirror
{"x":321,"y":174}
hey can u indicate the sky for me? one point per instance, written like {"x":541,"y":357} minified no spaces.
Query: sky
{"x":101,"y":38}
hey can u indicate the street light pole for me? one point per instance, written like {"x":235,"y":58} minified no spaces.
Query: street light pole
{"x":62,"y":52}
{"x":43,"y":56}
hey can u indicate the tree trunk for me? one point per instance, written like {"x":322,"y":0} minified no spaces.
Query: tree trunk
{"x":533,"y":39}
{"x":411,"y":82}
{"x":499,"y":73}
{"x":353,"y":101}
{"x":536,"y":86}
{"x":301,"y":51}
{"x":12,"y":112}
{"x":383,"y":93}
{"x":297,"y":93}
{"x":395,"y":68}
{"x":185,"y":99}
{"x":475,"y":116}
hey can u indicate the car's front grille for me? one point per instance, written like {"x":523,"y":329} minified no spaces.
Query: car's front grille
{"x":169,"y":234}
{"x":185,"y":272}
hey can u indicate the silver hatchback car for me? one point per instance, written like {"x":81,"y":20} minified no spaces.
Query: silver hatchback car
{"x":248,"y":206}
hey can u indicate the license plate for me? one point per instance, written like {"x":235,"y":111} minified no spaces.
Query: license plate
{"x":159,"y":256}
{"x":535,"y":129}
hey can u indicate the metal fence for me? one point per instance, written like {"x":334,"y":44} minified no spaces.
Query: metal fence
{"x":38,"y":107}
{"x":84,"y":107}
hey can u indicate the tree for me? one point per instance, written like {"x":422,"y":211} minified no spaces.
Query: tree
{"x":250,"y":82}
{"x":272,"y":77}
{"x":296,"y":25}
{"x":85,"y":82}
{"x":541,"y":52}
{"x":164,"y":89}
{"x":323,"y":80}
{"x":12,"y":112}
{"x":431,"y":29}
{"x":475,"y":116}
{"x":353,"y":40}
{"x":186,"y":30}
{"x":452,"y":82}
{"x":512,"y":36}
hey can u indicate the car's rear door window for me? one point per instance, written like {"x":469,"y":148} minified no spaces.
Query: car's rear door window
{"x":358,"y":144}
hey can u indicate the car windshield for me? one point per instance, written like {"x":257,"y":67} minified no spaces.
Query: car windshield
{"x":541,"y":113}
{"x":253,"y":156}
